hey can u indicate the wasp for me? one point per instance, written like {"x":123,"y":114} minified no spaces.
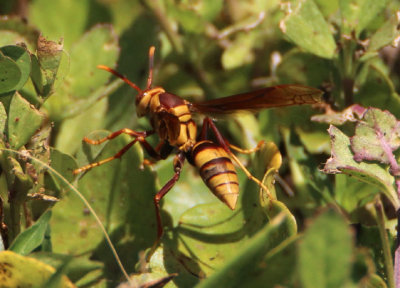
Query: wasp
{"x":171,"y":118}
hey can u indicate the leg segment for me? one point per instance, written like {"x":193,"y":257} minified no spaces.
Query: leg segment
{"x":117,"y":133}
{"x":209,"y":124}
{"x":139,"y":137}
{"x":101,"y":162}
{"x":163,"y":150}
{"x":247,"y":151}
{"x":178,"y":164}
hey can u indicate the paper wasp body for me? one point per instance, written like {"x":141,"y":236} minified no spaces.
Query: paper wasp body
{"x":171,"y":118}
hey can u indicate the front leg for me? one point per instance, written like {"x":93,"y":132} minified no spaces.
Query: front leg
{"x":139,"y":137}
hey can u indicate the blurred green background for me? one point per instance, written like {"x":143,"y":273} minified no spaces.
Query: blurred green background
{"x":53,"y":95}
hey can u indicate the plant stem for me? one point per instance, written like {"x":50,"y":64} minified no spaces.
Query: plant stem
{"x":388,"y":260}
{"x":165,"y":24}
{"x":15,"y":220}
{"x":397,"y":254}
{"x":395,"y":170}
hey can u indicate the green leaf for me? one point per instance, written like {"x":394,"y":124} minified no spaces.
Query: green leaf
{"x":63,"y":164}
{"x":121,"y":192}
{"x":10,"y":74}
{"x":56,"y":279}
{"x":3,"y":118}
{"x":325,"y":252}
{"x":342,"y":161}
{"x":210,"y":9}
{"x":36,"y":75}
{"x":306,"y":180}
{"x":357,"y":14}
{"x":239,"y":53}
{"x":267,"y":163}
{"x":386,"y":35}
{"x":189,"y":20}
{"x":72,"y":131}
{"x":214,"y":228}
{"x":354,"y":196}
{"x":327,"y":7}
{"x":304,"y":68}
{"x":305,"y":25}
{"x":23,"y":121}
{"x":277,"y":268}
{"x":98,"y":46}
{"x":376,"y":89}
{"x":77,"y":268}
{"x":49,"y":55}
{"x":32,"y":237}
{"x":45,"y":15}
{"x":245,"y":262}
{"x":161,"y":264}
{"x":16,"y":30}
{"x":315,"y":141}
{"x":22,"y":59}
{"x":20,"y":271}
{"x":368,"y":236}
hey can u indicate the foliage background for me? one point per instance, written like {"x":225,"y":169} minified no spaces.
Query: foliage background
{"x":204,"y":49}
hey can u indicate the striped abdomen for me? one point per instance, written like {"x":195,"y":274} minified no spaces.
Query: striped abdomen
{"x":217,"y":171}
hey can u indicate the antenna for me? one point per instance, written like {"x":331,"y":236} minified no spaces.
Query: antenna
{"x":126,"y":80}
{"x":151,"y":65}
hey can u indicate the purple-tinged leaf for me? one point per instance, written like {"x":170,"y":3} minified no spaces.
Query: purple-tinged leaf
{"x":342,"y":161}
{"x":376,"y":137}
{"x":352,"y":114}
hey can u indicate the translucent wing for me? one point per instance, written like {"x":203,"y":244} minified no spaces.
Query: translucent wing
{"x":276,"y":96}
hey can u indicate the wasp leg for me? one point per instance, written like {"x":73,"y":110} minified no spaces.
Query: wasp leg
{"x":178,"y":164}
{"x":139,"y":137}
{"x":247,"y":151}
{"x":209,"y":124}
{"x":101,"y":162}
{"x":163,"y":150}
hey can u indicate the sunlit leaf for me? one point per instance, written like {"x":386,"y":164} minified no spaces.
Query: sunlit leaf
{"x":23,"y":121}
{"x":342,"y":161}
{"x":305,"y":26}
{"x":20,"y":271}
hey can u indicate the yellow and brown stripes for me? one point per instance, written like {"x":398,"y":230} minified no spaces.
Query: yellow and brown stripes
{"x":217,"y":171}
{"x":184,"y":128}
{"x":186,"y":137}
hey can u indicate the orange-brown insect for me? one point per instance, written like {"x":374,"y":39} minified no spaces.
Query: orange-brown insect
{"x":171,"y":119}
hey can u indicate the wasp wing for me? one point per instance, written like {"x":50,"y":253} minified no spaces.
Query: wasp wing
{"x":276,"y":96}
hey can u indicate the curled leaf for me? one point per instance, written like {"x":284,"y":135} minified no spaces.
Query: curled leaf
{"x":352,"y":114}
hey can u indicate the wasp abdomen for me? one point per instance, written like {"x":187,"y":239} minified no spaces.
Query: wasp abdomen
{"x":217,"y":171}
